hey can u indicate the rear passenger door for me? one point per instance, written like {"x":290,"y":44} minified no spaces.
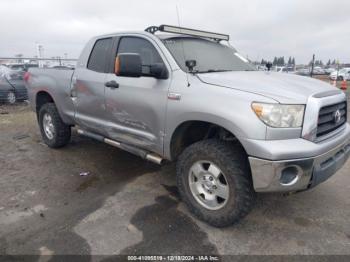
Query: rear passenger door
{"x":137,"y":108}
{"x":88,"y":87}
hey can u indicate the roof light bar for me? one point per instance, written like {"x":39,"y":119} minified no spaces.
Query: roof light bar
{"x":188,"y":31}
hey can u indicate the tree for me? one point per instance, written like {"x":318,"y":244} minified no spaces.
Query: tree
{"x":274,"y":61}
{"x":318,"y":63}
{"x":289,"y":61}
{"x":329,"y":62}
{"x":281,"y":61}
{"x":293,"y":61}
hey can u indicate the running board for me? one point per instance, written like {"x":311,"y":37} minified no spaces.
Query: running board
{"x":131,"y":149}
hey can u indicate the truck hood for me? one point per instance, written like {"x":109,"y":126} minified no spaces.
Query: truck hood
{"x":282,"y":87}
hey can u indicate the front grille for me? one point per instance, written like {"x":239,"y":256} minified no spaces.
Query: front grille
{"x":327,"y":119}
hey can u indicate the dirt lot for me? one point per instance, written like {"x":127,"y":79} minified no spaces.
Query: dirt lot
{"x":129,"y":206}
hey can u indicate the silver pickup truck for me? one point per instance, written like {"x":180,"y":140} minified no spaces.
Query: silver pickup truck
{"x":177,"y":94}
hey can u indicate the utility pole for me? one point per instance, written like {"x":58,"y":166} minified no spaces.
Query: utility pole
{"x":312,"y":65}
{"x":39,"y":52}
{"x":337,"y":70}
{"x":65,"y":57}
{"x":59,"y":60}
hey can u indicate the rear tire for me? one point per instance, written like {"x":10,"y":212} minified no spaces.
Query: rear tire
{"x":54,"y":132}
{"x":340,"y":78}
{"x":230,"y":187}
{"x":11,"y":97}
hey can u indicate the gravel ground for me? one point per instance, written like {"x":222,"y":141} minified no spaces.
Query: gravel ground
{"x":129,"y":206}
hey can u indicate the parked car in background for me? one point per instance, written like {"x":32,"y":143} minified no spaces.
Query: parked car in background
{"x":303,"y":72}
{"x":12,"y":88}
{"x":329,"y":70}
{"x":27,"y":66}
{"x":285,"y":69}
{"x":62,"y":67}
{"x":261,"y":67}
{"x":21,"y":67}
{"x":342,"y":74}
{"x":318,"y":71}
{"x":3,"y":70}
{"x":16,"y":67}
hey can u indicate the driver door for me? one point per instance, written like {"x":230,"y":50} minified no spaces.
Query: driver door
{"x":137,"y":107}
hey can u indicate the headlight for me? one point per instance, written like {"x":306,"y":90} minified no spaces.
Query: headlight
{"x":279,"y":115}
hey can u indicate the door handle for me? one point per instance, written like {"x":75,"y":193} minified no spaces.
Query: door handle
{"x":112,"y":84}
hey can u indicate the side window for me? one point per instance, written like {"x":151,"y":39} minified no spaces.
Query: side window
{"x":99,"y":55}
{"x":149,"y":55}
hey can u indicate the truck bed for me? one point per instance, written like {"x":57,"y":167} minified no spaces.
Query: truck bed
{"x":56,"y":82}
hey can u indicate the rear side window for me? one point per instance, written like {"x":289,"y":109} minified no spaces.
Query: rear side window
{"x":99,"y":55}
{"x":149,"y":55}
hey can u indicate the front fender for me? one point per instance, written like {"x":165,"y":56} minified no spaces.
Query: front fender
{"x":225,"y":107}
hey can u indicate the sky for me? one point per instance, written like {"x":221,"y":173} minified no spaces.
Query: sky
{"x":258,"y":28}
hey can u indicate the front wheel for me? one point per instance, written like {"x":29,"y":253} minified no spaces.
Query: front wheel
{"x":214,"y":181}
{"x":54,"y":131}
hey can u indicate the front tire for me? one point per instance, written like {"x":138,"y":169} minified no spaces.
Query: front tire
{"x":54,"y":132}
{"x":215,"y":183}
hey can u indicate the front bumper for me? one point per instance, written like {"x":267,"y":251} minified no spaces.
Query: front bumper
{"x":300,"y":173}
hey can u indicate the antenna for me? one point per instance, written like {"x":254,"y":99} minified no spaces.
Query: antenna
{"x":183,"y":47}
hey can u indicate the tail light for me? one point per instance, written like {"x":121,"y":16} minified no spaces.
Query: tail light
{"x":26,"y":76}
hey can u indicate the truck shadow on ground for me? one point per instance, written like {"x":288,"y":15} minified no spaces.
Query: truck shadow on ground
{"x":168,"y":231}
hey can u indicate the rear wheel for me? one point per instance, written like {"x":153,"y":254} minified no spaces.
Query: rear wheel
{"x":340,"y":78}
{"x":214,"y":181}
{"x":54,"y":131}
{"x":11,"y":97}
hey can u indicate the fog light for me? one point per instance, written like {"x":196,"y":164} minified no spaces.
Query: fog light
{"x":289,"y":176}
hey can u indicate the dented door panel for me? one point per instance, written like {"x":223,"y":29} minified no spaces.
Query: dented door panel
{"x":136,"y":111}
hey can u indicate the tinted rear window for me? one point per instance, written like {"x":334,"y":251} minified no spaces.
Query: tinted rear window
{"x":99,"y":55}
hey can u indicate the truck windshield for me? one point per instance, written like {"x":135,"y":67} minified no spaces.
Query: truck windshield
{"x":210,"y":56}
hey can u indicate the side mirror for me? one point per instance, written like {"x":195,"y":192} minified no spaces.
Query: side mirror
{"x":190,"y":64}
{"x":128,"y":64}
{"x":159,"y":71}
